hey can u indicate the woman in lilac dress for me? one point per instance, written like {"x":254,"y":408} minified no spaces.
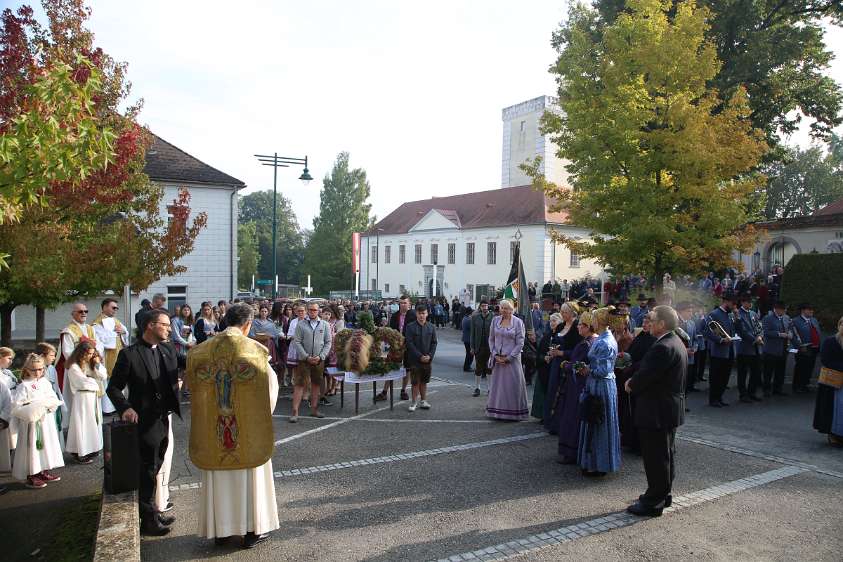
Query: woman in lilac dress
{"x":573,"y":383}
{"x":600,"y":444}
{"x":507,"y":389}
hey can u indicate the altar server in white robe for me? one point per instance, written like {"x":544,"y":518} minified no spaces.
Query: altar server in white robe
{"x":48,"y":354}
{"x":8,"y":426}
{"x":114,"y":337}
{"x":38,"y":450}
{"x":85,"y":378}
{"x":234,"y":390}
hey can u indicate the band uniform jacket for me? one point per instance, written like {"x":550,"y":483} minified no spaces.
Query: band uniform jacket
{"x":715,"y":348}
{"x":134,"y":369}
{"x":658,"y":385}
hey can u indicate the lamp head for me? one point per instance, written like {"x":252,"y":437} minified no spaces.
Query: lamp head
{"x":305,"y":177}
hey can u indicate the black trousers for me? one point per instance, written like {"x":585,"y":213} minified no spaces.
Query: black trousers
{"x":466,"y":365}
{"x":658,"y":451}
{"x":699,"y":364}
{"x":804,"y":368}
{"x":718,"y":378}
{"x":774,"y":372}
{"x":751,"y":365}
{"x":152,"y":441}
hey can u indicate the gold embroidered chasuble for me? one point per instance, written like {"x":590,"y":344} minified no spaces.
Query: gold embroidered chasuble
{"x":231,"y":425}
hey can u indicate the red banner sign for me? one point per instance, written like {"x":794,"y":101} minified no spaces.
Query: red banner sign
{"x":355,"y":252}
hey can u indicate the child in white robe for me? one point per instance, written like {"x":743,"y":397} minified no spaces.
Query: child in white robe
{"x":85,"y":376}
{"x":8,"y":427}
{"x":38,"y":450}
{"x":48,"y":354}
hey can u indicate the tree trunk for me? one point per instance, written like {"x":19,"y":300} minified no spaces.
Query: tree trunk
{"x":6,"y":324}
{"x":39,"y":324}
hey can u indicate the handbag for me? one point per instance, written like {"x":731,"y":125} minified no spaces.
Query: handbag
{"x":831,"y":377}
{"x":592,"y":409}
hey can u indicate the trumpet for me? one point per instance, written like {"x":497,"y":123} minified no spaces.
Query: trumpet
{"x":717,"y":329}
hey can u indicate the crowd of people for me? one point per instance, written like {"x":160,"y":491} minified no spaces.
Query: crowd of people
{"x":604,"y":379}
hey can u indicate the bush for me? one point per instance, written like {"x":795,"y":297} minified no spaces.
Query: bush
{"x":817,"y":279}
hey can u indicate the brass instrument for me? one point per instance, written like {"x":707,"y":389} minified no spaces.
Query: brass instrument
{"x":796,"y":343}
{"x":757,"y":329}
{"x":717,"y":329}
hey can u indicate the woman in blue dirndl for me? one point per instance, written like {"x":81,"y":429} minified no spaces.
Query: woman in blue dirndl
{"x":599,"y":443}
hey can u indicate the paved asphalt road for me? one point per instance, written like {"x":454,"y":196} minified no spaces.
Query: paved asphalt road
{"x":754,"y":482}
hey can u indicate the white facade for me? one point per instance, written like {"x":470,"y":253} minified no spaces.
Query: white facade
{"x":211,"y":266}
{"x":784,"y":239}
{"x":522,"y":140}
{"x":381,"y":267}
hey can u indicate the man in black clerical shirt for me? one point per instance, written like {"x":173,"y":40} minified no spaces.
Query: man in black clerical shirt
{"x":149,"y":367}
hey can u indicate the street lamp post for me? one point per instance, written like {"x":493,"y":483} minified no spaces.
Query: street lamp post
{"x":280,"y":162}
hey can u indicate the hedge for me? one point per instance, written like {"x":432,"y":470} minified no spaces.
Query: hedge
{"x":817,"y":279}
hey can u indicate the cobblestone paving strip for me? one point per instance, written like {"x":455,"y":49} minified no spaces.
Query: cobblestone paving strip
{"x":525,"y":545}
{"x":757,"y":455}
{"x":386,"y":459}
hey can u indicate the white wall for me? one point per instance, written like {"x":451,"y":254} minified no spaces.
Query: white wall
{"x":797,"y":241}
{"x":211,"y":266}
{"x":535,"y":251}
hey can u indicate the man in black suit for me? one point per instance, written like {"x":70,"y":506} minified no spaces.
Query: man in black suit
{"x":399,"y":321}
{"x":660,"y":408}
{"x":149,"y":367}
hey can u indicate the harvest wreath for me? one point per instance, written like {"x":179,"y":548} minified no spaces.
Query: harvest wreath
{"x":361,"y":350}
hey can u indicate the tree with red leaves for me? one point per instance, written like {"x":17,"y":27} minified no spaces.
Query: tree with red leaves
{"x":89,"y":228}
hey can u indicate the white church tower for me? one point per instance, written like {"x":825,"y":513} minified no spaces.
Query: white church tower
{"x":522,"y":140}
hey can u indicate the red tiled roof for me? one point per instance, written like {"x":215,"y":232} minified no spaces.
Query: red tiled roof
{"x":498,"y":207}
{"x":831,"y":209}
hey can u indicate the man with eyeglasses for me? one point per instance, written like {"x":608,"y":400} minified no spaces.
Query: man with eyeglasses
{"x":72,"y":334}
{"x":150,"y":368}
{"x":312,"y":342}
{"x":114,"y":337}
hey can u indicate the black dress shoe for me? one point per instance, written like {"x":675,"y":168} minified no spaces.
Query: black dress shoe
{"x":715,"y":404}
{"x":220,"y":541}
{"x":380,"y":397}
{"x":170,"y":505}
{"x":152,"y":527}
{"x":166,"y":520}
{"x":668,"y":501}
{"x":724,"y":404}
{"x":251,"y":540}
{"x":593,"y":473}
{"x":642,"y":510}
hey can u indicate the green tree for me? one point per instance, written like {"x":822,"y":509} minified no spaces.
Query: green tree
{"x":806,"y":181}
{"x":247,"y":253}
{"x":776,"y":50}
{"x":91,"y":228}
{"x":658,"y":160}
{"x":256,"y":208}
{"x":343,"y":210}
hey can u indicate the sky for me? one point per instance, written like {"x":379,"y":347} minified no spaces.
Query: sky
{"x":412,"y":90}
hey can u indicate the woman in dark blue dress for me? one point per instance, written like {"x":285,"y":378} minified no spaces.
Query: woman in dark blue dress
{"x":572,"y":386}
{"x":566,"y":340}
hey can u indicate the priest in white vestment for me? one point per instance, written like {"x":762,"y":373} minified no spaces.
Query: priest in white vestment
{"x":113,"y":336}
{"x":234,"y":390}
